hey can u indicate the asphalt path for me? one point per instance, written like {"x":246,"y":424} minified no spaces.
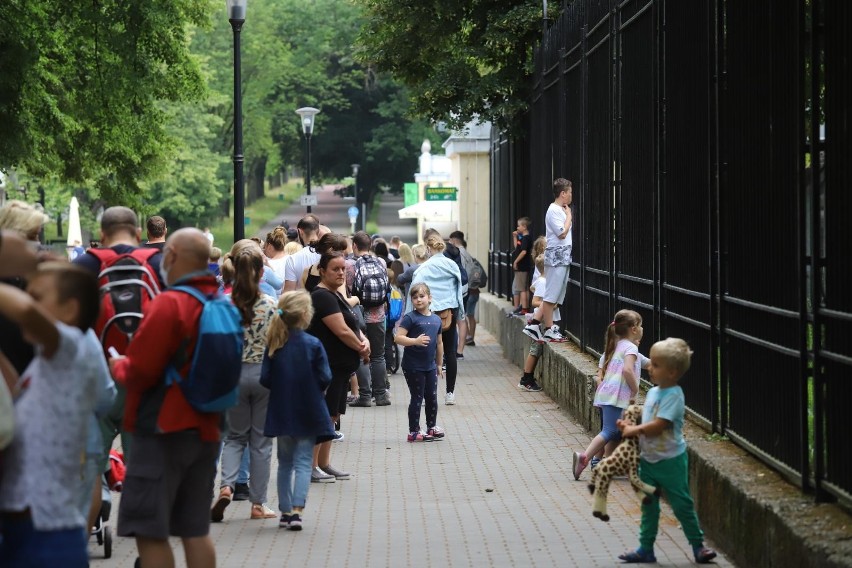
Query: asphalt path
{"x":332,"y":211}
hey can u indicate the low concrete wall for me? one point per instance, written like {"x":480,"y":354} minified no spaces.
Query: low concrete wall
{"x":747,"y":509}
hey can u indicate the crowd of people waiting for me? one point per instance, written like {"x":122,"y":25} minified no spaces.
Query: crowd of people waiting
{"x":313,"y":306}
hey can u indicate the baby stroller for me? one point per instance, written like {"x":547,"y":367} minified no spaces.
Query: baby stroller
{"x":112,"y":480}
{"x":101,"y":531}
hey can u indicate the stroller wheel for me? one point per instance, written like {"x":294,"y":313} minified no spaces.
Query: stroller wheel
{"x":100,"y":535}
{"x":107,"y":542}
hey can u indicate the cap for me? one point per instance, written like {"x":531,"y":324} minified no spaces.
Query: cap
{"x":292,"y":234}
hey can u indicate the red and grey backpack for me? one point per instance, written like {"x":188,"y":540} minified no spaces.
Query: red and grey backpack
{"x":127,"y":283}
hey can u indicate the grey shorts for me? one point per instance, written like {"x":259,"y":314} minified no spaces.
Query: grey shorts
{"x":519,"y":282}
{"x":555,"y":284}
{"x":169,"y":485}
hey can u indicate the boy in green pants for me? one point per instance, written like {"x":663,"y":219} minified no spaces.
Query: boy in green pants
{"x":664,"y":461}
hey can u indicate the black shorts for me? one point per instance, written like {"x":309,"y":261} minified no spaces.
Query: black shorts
{"x":167,"y":491}
{"x":335,"y":395}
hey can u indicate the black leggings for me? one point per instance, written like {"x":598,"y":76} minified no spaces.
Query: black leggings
{"x":450,"y":340}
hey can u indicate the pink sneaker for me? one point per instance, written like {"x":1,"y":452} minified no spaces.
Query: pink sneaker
{"x":580,"y":463}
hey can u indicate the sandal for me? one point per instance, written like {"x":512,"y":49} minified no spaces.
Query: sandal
{"x":261,"y":511}
{"x":704,"y":555}
{"x":217,"y":513}
{"x":638,"y":557}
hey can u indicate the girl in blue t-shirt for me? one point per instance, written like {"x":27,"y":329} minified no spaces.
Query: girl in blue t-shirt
{"x":419,"y":332}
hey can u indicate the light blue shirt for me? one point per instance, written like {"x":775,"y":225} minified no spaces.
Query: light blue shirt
{"x":668,"y":404}
{"x":443,"y":277}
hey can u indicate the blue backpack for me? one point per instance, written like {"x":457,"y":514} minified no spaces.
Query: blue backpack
{"x":396,"y":303}
{"x":214,"y":376}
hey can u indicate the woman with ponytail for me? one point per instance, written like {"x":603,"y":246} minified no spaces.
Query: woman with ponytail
{"x":246,"y":420}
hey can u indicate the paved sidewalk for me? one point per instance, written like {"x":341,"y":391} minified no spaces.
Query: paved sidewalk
{"x":497,"y":491}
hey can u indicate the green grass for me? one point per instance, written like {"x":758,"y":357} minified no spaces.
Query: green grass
{"x":372,"y":225}
{"x":258,"y":213}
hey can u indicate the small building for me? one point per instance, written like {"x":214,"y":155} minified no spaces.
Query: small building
{"x":453,"y":189}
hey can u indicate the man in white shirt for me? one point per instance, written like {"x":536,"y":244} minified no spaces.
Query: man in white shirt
{"x":310,"y":232}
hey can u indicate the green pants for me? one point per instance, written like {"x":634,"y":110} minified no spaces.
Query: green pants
{"x":672,"y":476}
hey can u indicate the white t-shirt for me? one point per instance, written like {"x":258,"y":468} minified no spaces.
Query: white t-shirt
{"x":43,"y":462}
{"x":554,"y":221}
{"x":297,"y":263}
{"x":557,"y":252}
{"x":278,"y":265}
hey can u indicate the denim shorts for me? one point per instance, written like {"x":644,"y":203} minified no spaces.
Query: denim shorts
{"x":470,"y":304}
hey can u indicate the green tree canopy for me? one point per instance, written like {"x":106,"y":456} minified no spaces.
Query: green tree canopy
{"x":460,"y":60}
{"x":82,"y":82}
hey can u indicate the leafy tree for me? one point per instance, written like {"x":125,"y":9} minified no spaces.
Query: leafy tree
{"x":461,"y":60}
{"x":189,"y":190}
{"x":82,"y":83}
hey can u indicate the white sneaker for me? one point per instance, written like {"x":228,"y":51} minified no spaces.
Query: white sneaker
{"x":450,"y":399}
{"x":553,"y":335}
{"x":533,"y":331}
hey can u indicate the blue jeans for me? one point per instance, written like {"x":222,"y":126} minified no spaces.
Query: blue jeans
{"x":25,"y":547}
{"x":422,"y":384}
{"x":295,"y":458}
{"x":243,"y":475}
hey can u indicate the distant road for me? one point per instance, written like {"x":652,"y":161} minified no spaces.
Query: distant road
{"x":332,"y":211}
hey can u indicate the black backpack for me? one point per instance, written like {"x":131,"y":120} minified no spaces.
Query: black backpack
{"x":371,"y":283}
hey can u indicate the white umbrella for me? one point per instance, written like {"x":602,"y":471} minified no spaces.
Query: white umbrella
{"x":75,"y":235}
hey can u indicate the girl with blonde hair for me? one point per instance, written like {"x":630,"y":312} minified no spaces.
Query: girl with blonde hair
{"x":296,"y":372}
{"x":443,"y":277}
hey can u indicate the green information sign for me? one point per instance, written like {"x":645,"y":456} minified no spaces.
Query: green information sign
{"x":411,"y":196}
{"x":440,"y":193}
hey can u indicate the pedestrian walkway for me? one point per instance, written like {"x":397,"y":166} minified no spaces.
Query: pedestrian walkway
{"x":497,"y":491}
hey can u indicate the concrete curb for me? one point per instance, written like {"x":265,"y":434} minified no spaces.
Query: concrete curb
{"x":753,"y":514}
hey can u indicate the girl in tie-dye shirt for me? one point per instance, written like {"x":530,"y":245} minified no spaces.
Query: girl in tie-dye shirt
{"x":618,"y":382}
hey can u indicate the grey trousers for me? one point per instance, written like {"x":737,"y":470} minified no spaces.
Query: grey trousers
{"x":245,"y":422}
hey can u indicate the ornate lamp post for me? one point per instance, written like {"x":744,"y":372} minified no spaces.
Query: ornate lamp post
{"x":237,"y":16}
{"x":307,"y":114}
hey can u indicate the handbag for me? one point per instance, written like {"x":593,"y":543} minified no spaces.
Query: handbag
{"x":446,"y":316}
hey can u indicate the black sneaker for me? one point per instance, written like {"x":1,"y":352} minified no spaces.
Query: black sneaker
{"x":241,"y":492}
{"x":531,"y":386}
{"x":459,"y":356}
{"x":295,"y":523}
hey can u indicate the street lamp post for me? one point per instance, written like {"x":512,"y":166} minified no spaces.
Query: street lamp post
{"x":237,"y":16}
{"x":307,"y":115}
{"x":355,"y":168}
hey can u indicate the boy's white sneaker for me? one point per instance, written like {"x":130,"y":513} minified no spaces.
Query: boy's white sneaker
{"x":450,"y":399}
{"x":553,"y":335}
{"x":533,"y":331}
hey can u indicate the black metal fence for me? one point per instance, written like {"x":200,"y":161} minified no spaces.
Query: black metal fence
{"x":708,"y":143}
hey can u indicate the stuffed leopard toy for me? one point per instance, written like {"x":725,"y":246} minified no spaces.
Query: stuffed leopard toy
{"x":623,"y":461}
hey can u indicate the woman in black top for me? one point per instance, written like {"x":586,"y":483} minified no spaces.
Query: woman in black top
{"x":330,"y":242}
{"x":336,"y":326}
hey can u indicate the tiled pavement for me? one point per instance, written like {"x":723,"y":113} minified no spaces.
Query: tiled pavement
{"x":497,"y":491}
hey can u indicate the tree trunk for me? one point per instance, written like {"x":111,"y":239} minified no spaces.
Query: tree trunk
{"x":256,"y":177}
